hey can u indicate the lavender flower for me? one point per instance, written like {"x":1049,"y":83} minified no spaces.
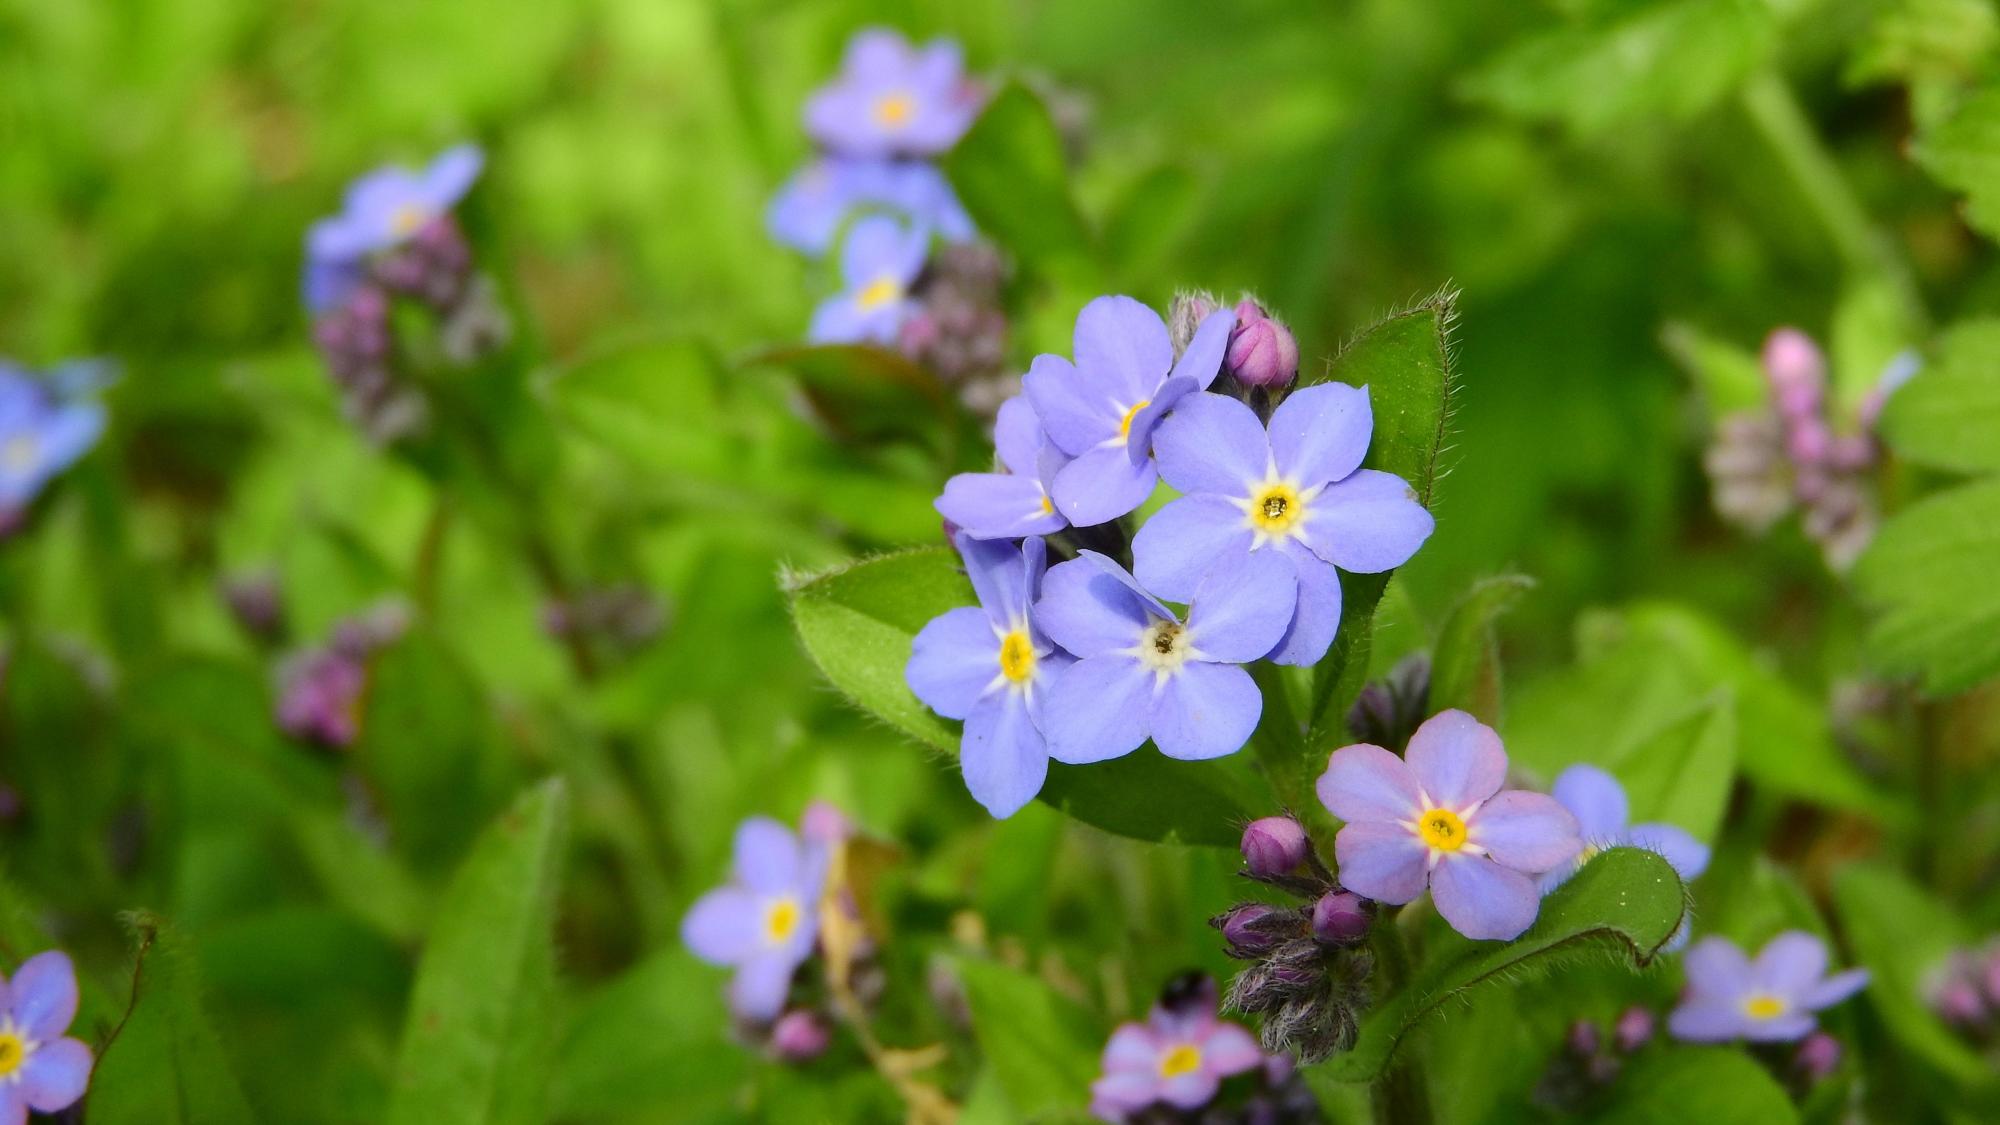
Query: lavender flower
{"x":1296,"y":491}
{"x":1103,"y":408}
{"x":1771,"y":999}
{"x":878,"y":264}
{"x":319,"y":697}
{"x":1598,"y":802}
{"x":891,"y":98}
{"x":989,"y":666}
{"x":809,"y":209}
{"x":764,"y":922}
{"x":41,"y":1069}
{"x":1439,"y":819}
{"x":42,"y":432}
{"x":382,"y":210}
{"x":1017,"y":502}
{"x":1143,"y":672}
{"x":1178,"y":1057}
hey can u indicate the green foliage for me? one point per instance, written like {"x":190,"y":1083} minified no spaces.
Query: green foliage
{"x":1963,"y":152}
{"x":165,"y":1062}
{"x":1041,"y":1047}
{"x":1947,"y":418}
{"x":1011,"y":175}
{"x":1465,"y":666}
{"x":1927,"y":573}
{"x":1707,"y":1084}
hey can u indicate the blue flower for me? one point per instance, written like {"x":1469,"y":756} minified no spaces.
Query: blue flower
{"x":382,"y":210}
{"x":1017,"y":502}
{"x":765,"y":921}
{"x":878,"y":264}
{"x":1598,"y":802}
{"x":41,"y":1069}
{"x":1143,"y":672}
{"x":1296,"y":491}
{"x":42,"y":433}
{"x":1773,"y":999}
{"x":808,"y":210}
{"x":891,"y":98}
{"x":991,"y":667}
{"x":1103,"y":408}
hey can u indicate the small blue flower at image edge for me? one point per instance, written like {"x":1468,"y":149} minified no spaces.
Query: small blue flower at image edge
{"x":41,"y":1069}
{"x":1773,"y":998}
{"x":42,"y":431}
{"x":381,"y":210}
{"x":765,"y":921}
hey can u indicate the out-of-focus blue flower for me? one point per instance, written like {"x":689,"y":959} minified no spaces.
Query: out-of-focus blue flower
{"x":765,"y":921}
{"x":1017,"y":502}
{"x":1143,"y":672}
{"x":1598,"y":802}
{"x":1179,"y":1057}
{"x":1103,"y":408}
{"x":878,"y":264}
{"x":1437,"y":817}
{"x":1296,"y":490}
{"x":991,"y":667}
{"x":1771,"y":999}
{"x":809,"y":209}
{"x":43,"y":432}
{"x":891,"y":98}
{"x":383,"y":209}
{"x":41,"y":1069}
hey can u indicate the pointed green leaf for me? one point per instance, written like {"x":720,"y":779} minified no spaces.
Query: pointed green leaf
{"x":479,"y":1033}
{"x":1963,"y":152}
{"x":1465,"y":666}
{"x":1712,"y":1085}
{"x":1682,"y":774}
{"x":165,"y":1066}
{"x":1948,"y":417}
{"x":1012,"y":176}
{"x":1928,"y":574}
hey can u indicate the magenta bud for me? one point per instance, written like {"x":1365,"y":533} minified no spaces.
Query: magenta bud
{"x":1809,"y":442}
{"x":1634,"y":1029}
{"x":1340,"y":918}
{"x":799,"y":1036}
{"x":1819,"y":1053}
{"x":824,"y":823}
{"x":1792,"y":362}
{"x":1584,"y":1039}
{"x":1252,"y":929}
{"x":1262,"y":351}
{"x":1274,"y":845}
{"x":1958,"y":1002}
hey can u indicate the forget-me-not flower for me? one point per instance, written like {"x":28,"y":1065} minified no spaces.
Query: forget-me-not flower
{"x":765,"y":921}
{"x":809,"y":209}
{"x":41,"y":1069}
{"x":879,"y":263}
{"x":1017,"y":502}
{"x":41,"y":434}
{"x":1598,"y":802}
{"x":383,"y":209}
{"x":1103,"y":408}
{"x":1143,"y":672}
{"x":891,"y":98}
{"x":1437,"y":818}
{"x":991,"y":666}
{"x":1296,"y":489}
{"x":1771,"y":999}
{"x":1179,"y":1057}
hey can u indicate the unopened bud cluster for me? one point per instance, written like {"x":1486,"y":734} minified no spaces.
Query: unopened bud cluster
{"x":320,"y":690}
{"x":1262,"y":360}
{"x":958,"y":328}
{"x":1309,"y":965}
{"x":1389,"y":710}
{"x":625,"y":617}
{"x":1965,"y":992}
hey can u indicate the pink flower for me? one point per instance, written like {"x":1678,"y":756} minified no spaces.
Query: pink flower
{"x":1179,"y":1056}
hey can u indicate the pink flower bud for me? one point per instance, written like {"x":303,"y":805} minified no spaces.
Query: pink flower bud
{"x":1819,"y":1053}
{"x":1634,"y":1029}
{"x":1274,"y":845}
{"x":823,"y":823}
{"x":1262,"y":352}
{"x":799,"y":1036}
{"x":1796,"y":370}
{"x":1340,"y":918}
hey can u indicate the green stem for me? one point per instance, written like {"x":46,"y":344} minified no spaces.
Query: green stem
{"x":1402,"y":1098}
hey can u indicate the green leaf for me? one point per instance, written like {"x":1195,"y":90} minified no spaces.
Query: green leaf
{"x":1682,"y":774}
{"x":1871,"y":328}
{"x":868,"y":395}
{"x":655,"y":404}
{"x":1929,"y":576}
{"x":478,"y":1038}
{"x":1903,"y":935}
{"x":1465,"y":667}
{"x":165,"y":1065}
{"x":1012,"y":176}
{"x":1625,"y":901}
{"x":1712,"y":1085}
{"x":656,"y":1039}
{"x":1948,"y":416}
{"x":1040,"y":1047}
{"x":1648,"y":60}
{"x":1730,"y":378}
{"x":858,"y":621}
{"x":1963,"y":152}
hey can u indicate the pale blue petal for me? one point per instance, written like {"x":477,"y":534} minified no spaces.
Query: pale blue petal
{"x":1367,"y":523}
{"x":1076,"y":419}
{"x":1596,"y":799}
{"x":1102,"y":485}
{"x":1457,"y":759}
{"x":767,"y":856}
{"x":1529,"y":832}
{"x":1483,"y":900}
{"x":1122,"y":347}
{"x":1178,"y":544}
{"x":1380,"y":861}
{"x":56,"y":1075}
{"x":1243,"y":606}
{"x":953,"y":660}
{"x":1212,"y":443}
{"x":1320,"y":434}
{"x":1097,"y":708}
{"x":43,"y":995}
{"x":1203,"y":358}
{"x":1003,"y":757}
{"x":1317,"y":619}
{"x":1088,"y":611}
{"x":1205,"y":711}
{"x":1366,"y":784}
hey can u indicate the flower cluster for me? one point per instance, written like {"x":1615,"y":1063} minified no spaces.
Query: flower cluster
{"x":320,"y":690}
{"x":1761,"y":463}
{"x":396,"y":239}
{"x":1965,"y":992}
{"x":1090,"y":661}
{"x":46,"y":425}
{"x":41,"y":1069}
{"x":1172,"y":1067}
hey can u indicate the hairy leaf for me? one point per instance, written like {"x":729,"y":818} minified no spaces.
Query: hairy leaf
{"x":1465,"y":667}
{"x":165,"y":1065}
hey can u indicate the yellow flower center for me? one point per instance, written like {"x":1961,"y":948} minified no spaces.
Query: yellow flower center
{"x":1048,"y":508}
{"x":877,"y":293}
{"x":1274,"y":510}
{"x":780,"y":919}
{"x":20,"y":453}
{"x":1017,"y":656}
{"x":407,"y":219}
{"x":1125,"y":423}
{"x":893,"y":111}
{"x":1185,"y":1058}
{"x":1442,"y":829}
{"x":13,"y":1051}
{"x":1763,"y":1006}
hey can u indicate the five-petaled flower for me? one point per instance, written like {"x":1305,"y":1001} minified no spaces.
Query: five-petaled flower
{"x":1179,"y":1056}
{"x":878,"y":263}
{"x":893,"y":99}
{"x":809,"y":209}
{"x":1438,"y":818}
{"x":765,"y":921}
{"x":383,"y":209}
{"x":41,"y":1069}
{"x":1142,"y":671}
{"x":991,"y":667}
{"x":1598,"y":802}
{"x":41,"y":434}
{"x":1017,"y":502}
{"x":1296,"y":490}
{"x":1771,"y":999}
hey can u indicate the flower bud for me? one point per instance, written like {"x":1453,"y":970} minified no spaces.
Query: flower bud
{"x":1189,"y":994}
{"x":1340,"y":918}
{"x":1634,"y":1029}
{"x":1584,"y":1040}
{"x":1253,"y":929}
{"x":1262,"y":351}
{"x":1818,"y":1055}
{"x":1796,"y":371}
{"x":1186,"y":314}
{"x":1274,"y":845}
{"x":799,"y":1036}
{"x":824,"y":823}
{"x":1957,"y":1002}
